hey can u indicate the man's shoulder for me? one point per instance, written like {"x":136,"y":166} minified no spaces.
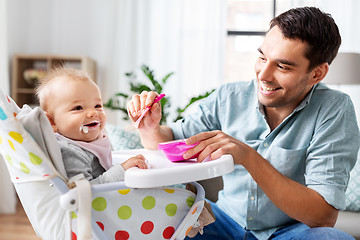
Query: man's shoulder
{"x":330,"y":102}
{"x":323,"y":93}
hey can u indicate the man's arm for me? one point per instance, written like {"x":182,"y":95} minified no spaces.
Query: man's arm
{"x":297,"y":201}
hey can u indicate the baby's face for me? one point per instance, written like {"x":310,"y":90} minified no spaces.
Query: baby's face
{"x":76,"y":109}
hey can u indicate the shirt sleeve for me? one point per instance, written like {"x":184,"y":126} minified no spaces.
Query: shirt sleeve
{"x":333,"y":150}
{"x":76,"y":161}
{"x":203,"y":119}
{"x":113,"y":174}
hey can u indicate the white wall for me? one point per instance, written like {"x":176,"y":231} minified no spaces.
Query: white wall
{"x":4,"y":67}
{"x":345,"y":14}
{"x":59,"y":27}
{"x":7,"y":192}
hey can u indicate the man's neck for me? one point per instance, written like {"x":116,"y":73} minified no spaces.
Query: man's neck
{"x":275,"y":116}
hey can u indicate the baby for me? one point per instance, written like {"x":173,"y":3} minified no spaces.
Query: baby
{"x":73,"y":105}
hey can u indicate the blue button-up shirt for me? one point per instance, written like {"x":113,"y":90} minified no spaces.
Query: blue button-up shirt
{"x":316,"y":146}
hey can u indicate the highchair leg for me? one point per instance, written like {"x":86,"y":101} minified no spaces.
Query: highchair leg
{"x":79,"y":199}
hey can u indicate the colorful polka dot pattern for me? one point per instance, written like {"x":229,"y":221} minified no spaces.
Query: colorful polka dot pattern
{"x":141,"y":213}
{"x":121,"y":215}
{"x":24,"y":158}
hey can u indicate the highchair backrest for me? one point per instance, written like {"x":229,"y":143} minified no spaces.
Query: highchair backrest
{"x":30,"y":166}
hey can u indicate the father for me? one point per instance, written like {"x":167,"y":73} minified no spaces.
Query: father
{"x":293,"y":140}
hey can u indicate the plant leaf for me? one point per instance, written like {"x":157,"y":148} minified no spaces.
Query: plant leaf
{"x":164,"y":80}
{"x":192,"y":100}
{"x":119,"y":100}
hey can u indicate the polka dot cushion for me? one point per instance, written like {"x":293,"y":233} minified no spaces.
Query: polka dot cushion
{"x":24,"y":158}
{"x":353,"y":190}
{"x":153,"y":213}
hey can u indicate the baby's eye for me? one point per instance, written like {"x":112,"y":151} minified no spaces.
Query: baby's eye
{"x":98,"y":106}
{"x":77,"y":108}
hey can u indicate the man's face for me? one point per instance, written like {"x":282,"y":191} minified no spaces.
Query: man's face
{"x":76,"y":105}
{"x":282,"y":72}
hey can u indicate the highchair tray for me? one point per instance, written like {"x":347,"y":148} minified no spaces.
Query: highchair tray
{"x":163,"y":172}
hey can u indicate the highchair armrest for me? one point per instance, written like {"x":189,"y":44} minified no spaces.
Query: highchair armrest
{"x":107,"y":187}
{"x":163,"y":172}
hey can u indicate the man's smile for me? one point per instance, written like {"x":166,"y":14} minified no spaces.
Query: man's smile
{"x":266,"y":90}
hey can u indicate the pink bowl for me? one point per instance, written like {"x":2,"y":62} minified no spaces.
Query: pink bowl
{"x":174,"y":150}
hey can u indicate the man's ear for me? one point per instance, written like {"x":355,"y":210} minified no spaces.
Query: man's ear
{"x":319,"y":73}
{"x":52,"y":122}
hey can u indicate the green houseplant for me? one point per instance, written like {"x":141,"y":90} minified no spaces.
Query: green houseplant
{"x":119,"y":100}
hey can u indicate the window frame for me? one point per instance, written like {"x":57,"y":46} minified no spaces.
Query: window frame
{"x":251,"y":33}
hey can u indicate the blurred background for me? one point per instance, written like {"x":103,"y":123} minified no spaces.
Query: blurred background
{"x":204,"y":42}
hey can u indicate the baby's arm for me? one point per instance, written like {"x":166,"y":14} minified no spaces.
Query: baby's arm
{"x":137,"y":161}
{"x":117,"y":171}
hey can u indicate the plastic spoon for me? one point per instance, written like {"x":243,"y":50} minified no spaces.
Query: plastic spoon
{"x":144,"y":112}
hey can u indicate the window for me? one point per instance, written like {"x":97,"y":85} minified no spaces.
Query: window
{"x":247,"y":23}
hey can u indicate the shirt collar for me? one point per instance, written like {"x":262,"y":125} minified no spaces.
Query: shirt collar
{"x":306,"y":99}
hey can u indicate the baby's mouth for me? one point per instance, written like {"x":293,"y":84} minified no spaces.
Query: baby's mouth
{"x":85,"y":127}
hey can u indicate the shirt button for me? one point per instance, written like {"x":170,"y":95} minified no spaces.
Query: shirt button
{"x":252,"y":198}
{"x":266,"y":145}
{"x":250,"y":218}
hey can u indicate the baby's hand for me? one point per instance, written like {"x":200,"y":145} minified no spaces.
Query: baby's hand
{"x":137,"y":161}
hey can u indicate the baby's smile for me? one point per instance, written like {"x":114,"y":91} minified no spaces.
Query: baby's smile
{"x":89,"y":126}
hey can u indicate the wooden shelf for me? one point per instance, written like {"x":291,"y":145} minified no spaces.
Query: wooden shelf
{"x":22,"y":91}
{"x":26,"y":90}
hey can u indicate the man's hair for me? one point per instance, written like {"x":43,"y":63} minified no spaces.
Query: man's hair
{"x":44,"y":85}
{"x":316,"y":28}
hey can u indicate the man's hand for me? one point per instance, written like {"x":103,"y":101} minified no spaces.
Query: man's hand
{"x":138,"y":103}
{"x":215,"y":144}
{"x":151,"y":133}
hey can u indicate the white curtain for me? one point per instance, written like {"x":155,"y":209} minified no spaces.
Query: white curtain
{"x":182,"y":36}
{"x":7,"y":192}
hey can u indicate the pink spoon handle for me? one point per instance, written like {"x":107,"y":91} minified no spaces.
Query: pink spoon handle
{"x":144,"y":112}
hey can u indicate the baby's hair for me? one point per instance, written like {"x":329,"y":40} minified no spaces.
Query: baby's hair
{"x":43,"y":85}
